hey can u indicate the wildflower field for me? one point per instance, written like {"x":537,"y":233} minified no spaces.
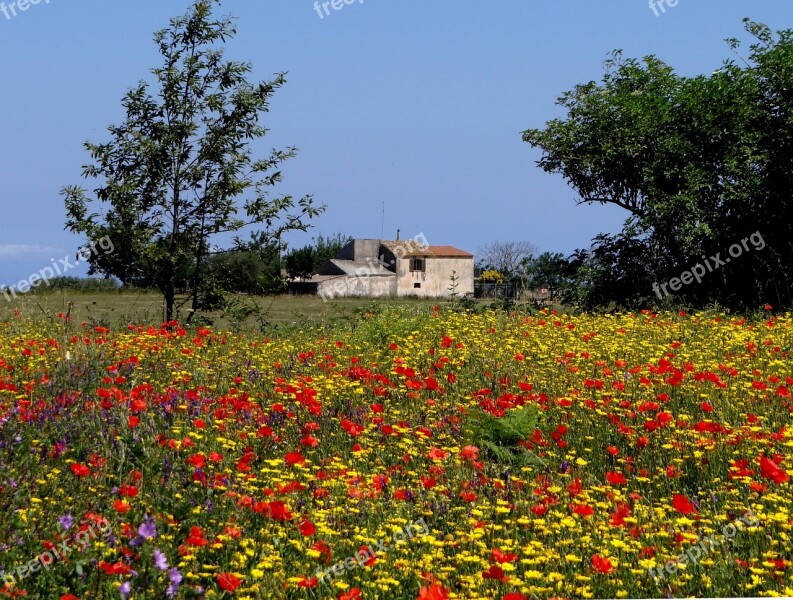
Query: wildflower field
{"x":646,"y":455}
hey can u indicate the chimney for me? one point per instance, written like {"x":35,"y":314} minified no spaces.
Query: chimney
{"x":397,"y":234}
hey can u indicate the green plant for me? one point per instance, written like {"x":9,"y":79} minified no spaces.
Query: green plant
{"x":500,"y":437}
{"x":453,"y":285}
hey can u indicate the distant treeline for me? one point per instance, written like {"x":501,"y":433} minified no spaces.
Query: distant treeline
{"x":81,"y":284}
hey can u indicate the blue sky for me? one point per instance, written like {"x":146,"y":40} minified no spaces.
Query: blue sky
{"x":417,"y":105}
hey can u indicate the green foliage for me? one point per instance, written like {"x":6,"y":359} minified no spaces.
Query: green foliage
{"x":549,"y":270}
{"x":327,"y":247}
{"x":299,"y":263}
{"x":698,"y":163}
{"x":454,"y":284}
{"x":180,"y":169}
{"x":503,"y":304}
{"x":467,"y":303}
{"x":303,"y":262}
{"x":500,"y":436}
{"x":81,"y":284}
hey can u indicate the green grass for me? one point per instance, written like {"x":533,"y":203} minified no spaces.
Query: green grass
{"x":146,"y":307}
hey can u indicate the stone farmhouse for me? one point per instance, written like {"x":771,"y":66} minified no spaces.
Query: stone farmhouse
{"x":380,"y":268}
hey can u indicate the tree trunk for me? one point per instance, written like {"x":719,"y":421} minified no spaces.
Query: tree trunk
{"x":197,"y":275}
{"x":196,"y":284}
{"x":170,"y":294}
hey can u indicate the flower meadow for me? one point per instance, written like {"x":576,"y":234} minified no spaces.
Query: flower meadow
{"x":337,"y":462}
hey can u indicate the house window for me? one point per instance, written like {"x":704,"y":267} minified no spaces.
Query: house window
{"x":417,"y":264}
{"x":416,"y":286}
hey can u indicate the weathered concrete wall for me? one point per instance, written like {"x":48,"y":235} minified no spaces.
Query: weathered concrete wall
{"x":360,"y":250}
{"x":350,"y":286}
{"x":435,"y":280}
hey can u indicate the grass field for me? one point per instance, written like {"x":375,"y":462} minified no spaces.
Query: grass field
{"x":121,"y":308}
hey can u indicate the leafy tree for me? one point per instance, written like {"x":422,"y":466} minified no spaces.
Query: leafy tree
{"x":300,"y":263}
{"x":328,"y":247}
{"x":699,"y":164}
{"x":180,"y":169}
{"x":548,"y":270}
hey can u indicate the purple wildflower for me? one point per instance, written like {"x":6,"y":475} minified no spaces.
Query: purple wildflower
{"x":160,"y":561}
{"x":175,"y":577}
{"x":125,"y":589}
{"x":65,"y":522}
{"x":148,"y":529}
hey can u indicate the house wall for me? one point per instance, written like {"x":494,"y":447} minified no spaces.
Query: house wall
{"x":436,"y":278}
{"x":372,"y":286}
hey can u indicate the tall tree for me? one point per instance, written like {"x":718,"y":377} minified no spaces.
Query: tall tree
{"x":699,"y":164}
{"x":548,"y":270}
{"x":180,"y":169}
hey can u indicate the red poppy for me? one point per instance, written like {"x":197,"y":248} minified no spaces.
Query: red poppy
{"x":324,"y":550}
{"x":539,"y":509}
{"x":428,"y":482}
{"x":196,"y":537}
{"x":307,"y":528}
{"x":502,"y":557}
{"x":618,"y":518}
{"x":80,"y":470}
{"x":199,"y":461}
{"x":770,"y":470}
{"x":601,"y":564}
{"x":682,"y":504}
{"x":130,"y":491}
{"x":434,"y":592}
{"x":228,"y":581}
{"x":118,"y":568}
{"x":615,"y":478}
{"x":294,"y":458}
{"x":309,"y":441}
{"x":470,"y":452}
{"x":351,"y":428}
{"x":574,"y":488}
{"x":514,"y":596}
{"x":584,"y":510}
{"x":494,"y":572}
{"x":758,"y":487}
{"x":437,"y":454}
